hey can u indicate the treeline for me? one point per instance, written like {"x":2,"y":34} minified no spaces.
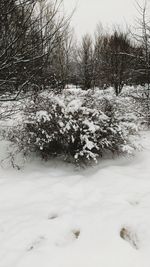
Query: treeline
{"x":37,"y":51}
{"x":116,"y":58}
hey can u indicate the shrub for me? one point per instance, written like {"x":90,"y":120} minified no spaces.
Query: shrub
{"x":79,"y":129}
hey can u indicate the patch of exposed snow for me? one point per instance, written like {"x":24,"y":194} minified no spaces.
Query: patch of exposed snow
{"x":55,"y":215}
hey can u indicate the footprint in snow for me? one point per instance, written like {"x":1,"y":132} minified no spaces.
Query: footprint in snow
{"x":36,"y":243}
{"x":52,"y":216}
{"x":130,"y":236}
{"x":134,"y":202}
{"x":76,"y":233}
{"x":68,"y":238}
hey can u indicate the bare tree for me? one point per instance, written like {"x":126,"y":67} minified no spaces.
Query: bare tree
{"x":84,"y":60}
{"x":30,"y":32}
{"x":141,"y":35}
{"x":112,"y":59}
{"x":61,"y":60}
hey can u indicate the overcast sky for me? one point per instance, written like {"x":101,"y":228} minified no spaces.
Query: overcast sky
{"x":89,"y":12}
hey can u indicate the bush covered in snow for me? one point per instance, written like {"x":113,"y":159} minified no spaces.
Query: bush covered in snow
{"x":78,"y":127}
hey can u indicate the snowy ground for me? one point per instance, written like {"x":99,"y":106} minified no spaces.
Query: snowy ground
{"x":56,"y":216}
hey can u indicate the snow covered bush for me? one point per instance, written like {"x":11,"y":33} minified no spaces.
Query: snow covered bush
{"x":141,"y":98}
{"x":80,"y":129}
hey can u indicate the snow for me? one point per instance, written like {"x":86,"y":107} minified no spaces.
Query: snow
{"x":91,"y":126}
{"x":42,"y":115}
{"x":74,"y":105}
{"x":52,"y":214}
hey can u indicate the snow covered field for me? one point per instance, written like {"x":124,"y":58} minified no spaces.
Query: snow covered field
{"x":53,"y":215}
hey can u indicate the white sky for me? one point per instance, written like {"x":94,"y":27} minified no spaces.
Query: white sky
{"x":90,"y":12}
